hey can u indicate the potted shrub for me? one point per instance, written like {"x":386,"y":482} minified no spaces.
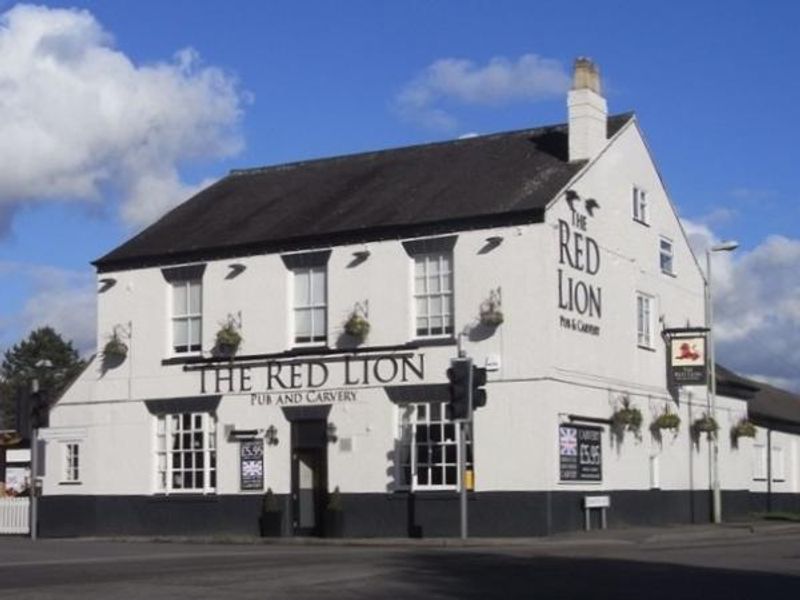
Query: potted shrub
{"x":334,"y":515}
{"x":491,"y":312}
{"x":228,"y":338}
{"x":744,"y":428}
{"x":357,"y":326}
{"x":666,"y":420}
{"x":115,"y":349}
{"x":626,"y":418}
{"x":271,"y":520}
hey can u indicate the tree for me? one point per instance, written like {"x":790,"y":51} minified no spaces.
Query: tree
{"x":19,"y":367}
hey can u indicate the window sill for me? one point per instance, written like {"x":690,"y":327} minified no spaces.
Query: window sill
{"x":648,"y":348}
{"x":640,"y":222}
{"x":433,"y":341}
{"x":428,"y":494}
{"x":70,"y":483}
{"x":188,"y":497}
{"x":669,"y":273}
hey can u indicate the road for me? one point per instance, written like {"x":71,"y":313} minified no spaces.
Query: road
{"x":683,"y":564}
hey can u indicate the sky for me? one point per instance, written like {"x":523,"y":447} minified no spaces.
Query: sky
{"x":112,"y":112}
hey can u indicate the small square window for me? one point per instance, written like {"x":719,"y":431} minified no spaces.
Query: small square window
{"x":640,"y":212}
{"x":666,"y":257}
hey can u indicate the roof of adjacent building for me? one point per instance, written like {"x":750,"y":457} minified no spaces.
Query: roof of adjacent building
{"x":408,"y":191}
{"x":766,"y":404}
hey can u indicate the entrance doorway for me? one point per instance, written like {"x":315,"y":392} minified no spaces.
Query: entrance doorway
{"x":309,"y":476}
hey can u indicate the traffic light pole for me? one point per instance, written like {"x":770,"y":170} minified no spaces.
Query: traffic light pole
{"x":34,"y":492}
{"x":462,"y":453}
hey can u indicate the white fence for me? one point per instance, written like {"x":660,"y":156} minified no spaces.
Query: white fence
{"x":14,"y":515}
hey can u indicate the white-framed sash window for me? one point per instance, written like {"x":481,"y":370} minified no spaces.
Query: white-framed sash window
{"x":186,"y":453}
{"x":640,"y":209}
{"x":428,"y":448}
{"x":187,"y":316}
{"x":666,"y":256}
{"x":433,"y":294}
{"x":71,"y":465}
{"x":310,"y":305}
{"x":645,"y":308}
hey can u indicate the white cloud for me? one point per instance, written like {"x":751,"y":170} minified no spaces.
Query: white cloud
{"x":500,"y":81}
{"x":79,"y":120}
{"x":756,"y":305}
{"x":63,"y":299}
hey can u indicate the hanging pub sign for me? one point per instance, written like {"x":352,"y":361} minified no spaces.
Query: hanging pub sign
{"x":580,"y":451}
{"x":687,"y":356}
{"x":251,"y":461}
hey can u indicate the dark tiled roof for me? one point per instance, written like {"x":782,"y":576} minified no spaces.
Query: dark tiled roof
{"x":766,"y":404}
{"x":362,"y":196}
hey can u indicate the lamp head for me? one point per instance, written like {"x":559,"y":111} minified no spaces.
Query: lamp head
{"x":727,"y":246}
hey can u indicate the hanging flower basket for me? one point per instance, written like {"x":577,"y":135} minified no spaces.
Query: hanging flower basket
{"x":491,"y":312}
{"x":666,"y":420}
{"x":705,"y":424}
{"x":626,"y":418}
{"x":744,"y":428}
{"x":115,"y":349}
{"x":357,"y":326}
{"x":228,"y":338}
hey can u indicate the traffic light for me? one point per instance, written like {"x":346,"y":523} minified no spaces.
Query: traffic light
{"x":478,"y":391}
{"x":39,"y":410}
{"x":459,"y":374}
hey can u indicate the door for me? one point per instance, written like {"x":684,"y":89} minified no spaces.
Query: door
{"x":309,"y":476}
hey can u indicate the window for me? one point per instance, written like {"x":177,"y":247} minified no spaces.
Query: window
{"x":759,"y":461}
{"x":71,"y":458}
{"x":310,"y":305}
{"x":640,"y":205}
{"x":665,"y":254}
{"x":433,"y":294}
{"x":644,"y":320}
{"x":186,"y":316}
{"x":186,"y":453}
{"x":428,"y":456}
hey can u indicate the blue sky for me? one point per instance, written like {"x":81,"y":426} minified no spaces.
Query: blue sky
{"x":714,"y":86}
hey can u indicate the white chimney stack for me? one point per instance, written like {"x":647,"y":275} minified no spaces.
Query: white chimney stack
{"x":587,"y":111}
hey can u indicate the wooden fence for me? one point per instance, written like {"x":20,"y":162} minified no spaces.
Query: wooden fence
{"x":14,"y":515}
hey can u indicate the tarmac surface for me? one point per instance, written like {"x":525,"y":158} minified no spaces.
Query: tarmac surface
{"x":750,"y":560}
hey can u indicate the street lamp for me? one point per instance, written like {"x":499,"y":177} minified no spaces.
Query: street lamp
{"x":41,"y":365}
{"x":716,"y":495}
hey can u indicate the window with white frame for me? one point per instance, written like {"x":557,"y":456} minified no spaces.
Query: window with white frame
{"x":644,"y":320}
{"x":759,"y":461}
{"x":187,"y":315}
{"x":71,"y":462}
{"x":640,"y":212}
{"x":428,"y":448}
{"x":433,"y":294}
{"x":665,"y":251}
{"x":310,"y":304}
{"x":777,"y":466}
{"x":186,"y":453}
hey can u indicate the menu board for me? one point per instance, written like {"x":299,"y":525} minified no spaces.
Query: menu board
{"x":580,"y":450}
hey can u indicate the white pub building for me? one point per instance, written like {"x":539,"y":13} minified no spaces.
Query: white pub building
{"x":289,"y":329}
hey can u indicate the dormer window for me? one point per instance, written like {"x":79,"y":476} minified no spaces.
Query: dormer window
{"x":640,"y":212}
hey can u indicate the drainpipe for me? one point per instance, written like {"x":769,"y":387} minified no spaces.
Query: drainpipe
{"x":769,"y":470}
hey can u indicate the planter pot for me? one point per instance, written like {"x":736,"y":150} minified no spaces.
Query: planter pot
{"x":334,"y":523}
{"x":227,"y":349}
{"x":271,"y":524}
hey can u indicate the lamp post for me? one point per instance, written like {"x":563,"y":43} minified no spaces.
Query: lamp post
{"x":34,"y":493}
{"x":716,"y":494}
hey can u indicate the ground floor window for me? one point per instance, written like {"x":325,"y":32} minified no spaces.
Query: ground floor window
{"x":428,"y":447}
{"x":186,"y":453}
{"x":71,"y":460}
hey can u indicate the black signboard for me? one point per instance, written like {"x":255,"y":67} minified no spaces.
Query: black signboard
{"x":580,"y":450}
{"x":251,"y":459}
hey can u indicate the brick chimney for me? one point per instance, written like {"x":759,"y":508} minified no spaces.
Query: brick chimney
{"x":587,"y":112}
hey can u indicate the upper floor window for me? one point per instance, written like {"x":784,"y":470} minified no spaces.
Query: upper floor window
{"x":310,"y":304}
{"x":187,"y":316}
{"x":186,"y":452}
{"x":644,"y":320}
{"x":666,"y":256}
{"x":428,"y":447}
{"x":186,"y":298}
{"x":640,"y":212}
{"x":433,"y":294}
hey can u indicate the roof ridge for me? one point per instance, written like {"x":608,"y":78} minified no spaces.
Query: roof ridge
{"x":461,"y":140}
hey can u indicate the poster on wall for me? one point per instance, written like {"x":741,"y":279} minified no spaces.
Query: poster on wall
{"x":580,"y":452}
{"x":251,"y":459}
{"x":688,"y":360}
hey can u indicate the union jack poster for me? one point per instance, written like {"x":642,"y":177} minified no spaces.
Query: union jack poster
{"x":251,"y":457}
{"x":580,"y":453}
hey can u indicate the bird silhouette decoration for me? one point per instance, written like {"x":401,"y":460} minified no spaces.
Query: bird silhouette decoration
{"x":590,"y":203}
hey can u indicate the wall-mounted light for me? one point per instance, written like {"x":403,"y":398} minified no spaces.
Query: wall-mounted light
{"x":330,"y":430}
{"x":235,"y":270}
{"x":271,"y":436}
